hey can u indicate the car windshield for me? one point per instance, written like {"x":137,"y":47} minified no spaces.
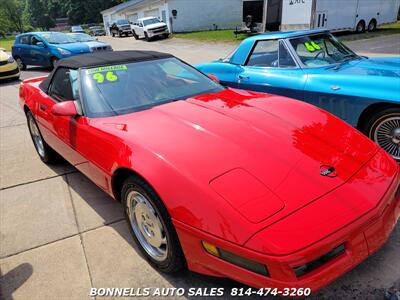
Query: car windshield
{"x":321,"y":50}
{"x":82,"y":37}
{"x":121,"y":89}
{"x":151,"y":21}
{"x":122,"y":22}
{"x":57,"y":38}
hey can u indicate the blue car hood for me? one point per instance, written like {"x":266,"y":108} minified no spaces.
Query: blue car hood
{"x":386,"y":66}
{"x":374,"y":78}
{"x":74,"y":47}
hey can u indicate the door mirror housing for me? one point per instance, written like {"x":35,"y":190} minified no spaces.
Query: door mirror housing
{"x":41,"y":44}
{"x":66,"y":109}
{"x":213,"y":77}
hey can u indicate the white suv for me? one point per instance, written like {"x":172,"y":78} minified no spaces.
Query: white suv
{"x":149,"y":27}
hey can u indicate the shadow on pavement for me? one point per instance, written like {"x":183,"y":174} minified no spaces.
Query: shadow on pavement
{"x":14,"y":279}
{"x":9,"y":82}
{"x":89,"y":192}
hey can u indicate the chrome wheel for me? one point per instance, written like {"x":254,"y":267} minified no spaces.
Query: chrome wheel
{"x":36,"y":137}
{"x":387,"y":135}
{"x":147,"y":226}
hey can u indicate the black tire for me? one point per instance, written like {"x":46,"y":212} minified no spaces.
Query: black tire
{"x":20,"y":63}
{"x":113,"y":34}
{"x":166,"y":35}
{"x":175,"y":259}
{"x":135,"y":35}
{"x":360,"y":28}
{"x":48,"y":155}
{"x":146,"y":37}
{"x":372,"y":25}
{"x":370,"y":129}
{"x":119,"y":34}
{"x":53,"y":62}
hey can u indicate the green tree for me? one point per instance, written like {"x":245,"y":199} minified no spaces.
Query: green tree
{"x":36,"y":14}
{"x":11,"y":15}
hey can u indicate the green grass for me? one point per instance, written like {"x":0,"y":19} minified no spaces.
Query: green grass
{"x":7,"y":43}
{"x":212,"y":36}
{"x":227,"y":36}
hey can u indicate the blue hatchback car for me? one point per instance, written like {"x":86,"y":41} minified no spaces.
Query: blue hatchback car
{"x":45,"y":48}
{"x":315,"y":67}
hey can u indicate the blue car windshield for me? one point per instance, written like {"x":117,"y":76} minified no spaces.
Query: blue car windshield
{"x":57,"y":38}
{"x":121,"y":89}
{"x":321,"y":50}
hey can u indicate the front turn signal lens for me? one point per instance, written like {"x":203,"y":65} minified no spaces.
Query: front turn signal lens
{"x":213,"y":250}
{"x":235,"y":259}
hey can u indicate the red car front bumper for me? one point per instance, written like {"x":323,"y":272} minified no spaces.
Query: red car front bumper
{"x":361,"y":239}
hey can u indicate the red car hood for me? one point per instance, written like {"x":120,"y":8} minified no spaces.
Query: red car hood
{"x":260,"y":153}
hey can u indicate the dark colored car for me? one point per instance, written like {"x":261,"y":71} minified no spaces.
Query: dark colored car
{"x":120,"y":28}
{"x":96,"y":31}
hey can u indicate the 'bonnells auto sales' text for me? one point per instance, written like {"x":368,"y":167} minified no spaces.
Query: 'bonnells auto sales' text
{"x":197,"y":292}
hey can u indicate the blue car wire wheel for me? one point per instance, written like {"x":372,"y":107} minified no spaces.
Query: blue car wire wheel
{"x":385,"y":131}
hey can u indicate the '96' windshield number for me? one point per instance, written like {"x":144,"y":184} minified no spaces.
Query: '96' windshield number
{"x":110,"y":77}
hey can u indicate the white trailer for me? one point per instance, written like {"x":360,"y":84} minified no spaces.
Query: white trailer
{"x":335,"y":15}
{"x":356,"y":15}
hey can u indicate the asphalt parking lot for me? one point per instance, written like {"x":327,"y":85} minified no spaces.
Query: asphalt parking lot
{"x":60,"y":235}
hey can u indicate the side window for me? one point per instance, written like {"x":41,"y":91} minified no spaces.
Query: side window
{"x":25,"y":39}
{"x":271,"y":53}
{"x":285,"y":59}
{"x":35,"y":40}
{"x":265,"y":54}
{"x":64,"y":85}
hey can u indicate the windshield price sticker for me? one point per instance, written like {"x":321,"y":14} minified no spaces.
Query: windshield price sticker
{"x":108,"y":68}
{"x":312,"y":46}
{"x":110,"y":76}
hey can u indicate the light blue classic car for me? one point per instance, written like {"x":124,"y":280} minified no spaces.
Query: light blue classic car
{"x":315,"y":67}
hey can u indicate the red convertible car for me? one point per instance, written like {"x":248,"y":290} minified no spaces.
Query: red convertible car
{"x":263,"y":189}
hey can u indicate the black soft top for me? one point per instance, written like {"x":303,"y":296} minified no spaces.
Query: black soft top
{"x":105,"y":58}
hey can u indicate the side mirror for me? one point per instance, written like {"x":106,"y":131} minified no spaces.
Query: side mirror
{"x":41,"y":44}
{"x":213,"y":77}
{"x":66,"y":108}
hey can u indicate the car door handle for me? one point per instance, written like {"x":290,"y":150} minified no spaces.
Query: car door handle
{"x":43,"y":107}
{"x":244,"y":77}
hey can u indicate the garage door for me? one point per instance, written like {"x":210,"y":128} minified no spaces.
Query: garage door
{"x":132,"y":18}
{"x":152,"y":13}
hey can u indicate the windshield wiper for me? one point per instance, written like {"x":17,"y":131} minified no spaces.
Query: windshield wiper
{"x":346,"y":58}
